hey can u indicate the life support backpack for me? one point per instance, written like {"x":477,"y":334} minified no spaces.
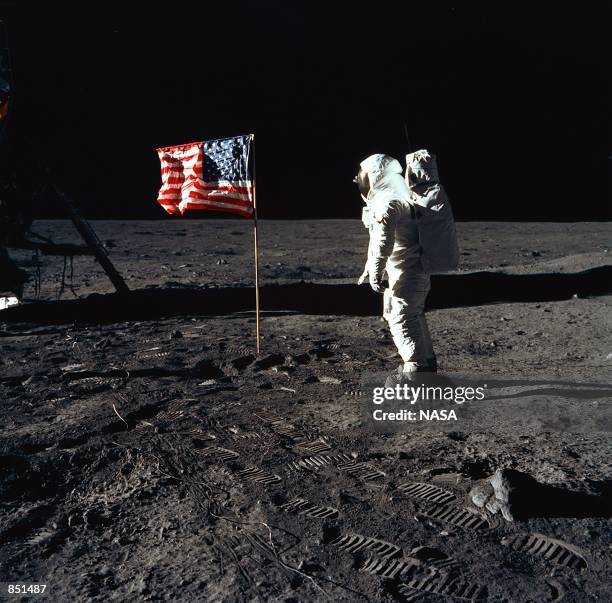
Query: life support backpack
{"x":433,"y":213}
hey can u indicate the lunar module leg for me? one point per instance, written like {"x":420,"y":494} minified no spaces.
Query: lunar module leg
{"x":92,"y":241}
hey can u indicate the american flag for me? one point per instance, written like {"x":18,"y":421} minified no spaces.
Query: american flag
{"x":212,"y":175}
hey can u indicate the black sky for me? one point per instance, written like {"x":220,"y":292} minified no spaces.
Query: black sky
{"x":513,"y":98}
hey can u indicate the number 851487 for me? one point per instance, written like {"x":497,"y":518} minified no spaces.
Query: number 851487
{"x":26,"y":589}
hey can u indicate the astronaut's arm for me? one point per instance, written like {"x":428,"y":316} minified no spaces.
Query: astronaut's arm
{"x":366,"y":217}
{"x":382,"y":240}
{"x":364,"y":276}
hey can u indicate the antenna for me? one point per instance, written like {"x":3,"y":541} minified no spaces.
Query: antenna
{"x":407,"y":138}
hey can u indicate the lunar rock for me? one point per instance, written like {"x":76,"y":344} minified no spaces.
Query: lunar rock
{"x":480,"y":494}
{"x":519,"y":496}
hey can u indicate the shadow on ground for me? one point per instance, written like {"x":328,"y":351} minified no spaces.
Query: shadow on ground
{"x":448,"y":291}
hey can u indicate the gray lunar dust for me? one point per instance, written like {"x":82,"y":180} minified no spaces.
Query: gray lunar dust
{"x":162,"y":460}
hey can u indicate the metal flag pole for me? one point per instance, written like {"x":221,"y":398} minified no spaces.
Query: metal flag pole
{"x":256,"y":251}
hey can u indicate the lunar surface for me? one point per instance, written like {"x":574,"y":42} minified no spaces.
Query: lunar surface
{"x":148,"y":453}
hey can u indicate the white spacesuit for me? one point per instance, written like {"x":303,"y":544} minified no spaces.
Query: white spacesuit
{"x":394,"y":246}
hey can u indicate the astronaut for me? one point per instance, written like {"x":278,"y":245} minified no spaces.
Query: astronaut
{"x":394,"y":247}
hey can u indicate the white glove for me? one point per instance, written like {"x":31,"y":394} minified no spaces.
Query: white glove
{"x":376,"y":284}
{"x":363,"y":278}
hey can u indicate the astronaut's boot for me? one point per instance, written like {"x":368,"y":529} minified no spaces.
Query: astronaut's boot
{"x":405,"y":373}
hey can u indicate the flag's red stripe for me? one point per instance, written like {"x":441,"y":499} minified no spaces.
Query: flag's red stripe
{"x":189,"y":171}
{"x":177,"y":198}
{"x":181,"y":168}
{"x":180,"y":146}
{"x":171,"y":209}
{"x":181,"y":165}
{"x":178,"y":158}
{"x":220,"y":198}
{"x":181,"y":162}
{"x":241,"y":190}
{"x":174,"y":180}
{"x":175,"y":184}
{"x":175,"y":209}
{"x":174,"y":192}
{"x":177,"y":191}
{"x":166,"y":202}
